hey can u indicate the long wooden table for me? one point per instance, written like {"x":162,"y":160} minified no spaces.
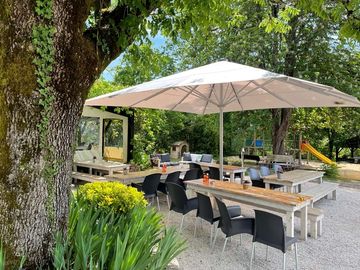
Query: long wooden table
{"x":102,"y":165}
{"x":292,"y":179}
{"x":280,"y":202}
{"x":138,"y":177}
{"x":231,"y":169}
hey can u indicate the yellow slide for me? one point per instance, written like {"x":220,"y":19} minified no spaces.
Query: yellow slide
{"x":316,"y":153}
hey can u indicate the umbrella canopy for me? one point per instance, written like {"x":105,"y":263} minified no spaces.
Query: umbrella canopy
{"x":225,"y":87}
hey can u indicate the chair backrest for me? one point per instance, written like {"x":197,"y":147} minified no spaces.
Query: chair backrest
{"x":254,"y":174}
{"x":214,"y":173}
{"x":186,"y":157}
{"x":177,"y":195}
{"x":269,"y":230}
{"x":277,"y":167}
{"x":194,"y":166}
{"x":192,"y":174}
{"x":173,"y":177}
{"x":225,"y":219}
{"x":165,"y":157}
{"x":204,"y":210}
{"x":206,"y":158}
{"x":264,"y":170}
{"x":151,"y":183}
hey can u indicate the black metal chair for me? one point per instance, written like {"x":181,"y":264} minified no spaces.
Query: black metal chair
{"x":171,"y":177}
{"x":179,"y":201}
{"x":206,"y":212}
{"x":149,"y":187}
{"x":231,"y":225}
{"x":270,"y":231}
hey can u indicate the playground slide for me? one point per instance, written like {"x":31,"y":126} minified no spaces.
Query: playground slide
{"x":316,"y":153}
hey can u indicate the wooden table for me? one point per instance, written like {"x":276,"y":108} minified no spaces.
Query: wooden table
{"x":138,"y":177}
{"x":226,"y":168}
{"x":276,"y":201}
{"x":103,"y":165}
{"x":292,"y":179}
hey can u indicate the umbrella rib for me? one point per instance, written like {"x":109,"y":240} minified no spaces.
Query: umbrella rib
{"x":150,"y":97}
{"x":257,"y":87}
{"x":207,"y":102}
{"x":236,"y":95}
{"x":188,"y":94}
{"x":326,"y":89}
{"x":276,"y":96}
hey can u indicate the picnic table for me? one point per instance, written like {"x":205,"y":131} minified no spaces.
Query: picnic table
{"x":293,"y":179}
{"x":280,"y":202}
{"x":107,"y":166}
{"x":138,"y":177}
{"x":231,"y":169}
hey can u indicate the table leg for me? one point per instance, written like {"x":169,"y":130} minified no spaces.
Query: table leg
{"x":111,"y":172}
{"x":299,"y":188}
{"x":267,"y":185}
{"x":304,"y":222}
{"x":232,"y":177}
{"x":290,"y":224}
{"x":320,"y":180}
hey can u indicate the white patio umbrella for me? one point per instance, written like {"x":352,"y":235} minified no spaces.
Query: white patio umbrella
{"x":225,"y":87}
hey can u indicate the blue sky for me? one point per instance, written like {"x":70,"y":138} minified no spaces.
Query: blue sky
{"x":158,"y":41}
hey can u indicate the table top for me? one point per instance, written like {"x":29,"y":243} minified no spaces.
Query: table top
{"x":244,"y":193}
{"x":225,"y":167}
{"x":292,"y":178}
{"x":142,"y":174}
{"x":101,"y":164}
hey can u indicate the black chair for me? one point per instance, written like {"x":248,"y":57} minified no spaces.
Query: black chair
{"x":149,"y":187}
{"x":231,"y":225}
{"x":270,"y":231}
{"x":206,"y":212}
{"x":191,"y":174}
{"x":179,"y":201}
{"x":206,"y":158}
{"x":214,"y":173}
{"x":171,"y":177}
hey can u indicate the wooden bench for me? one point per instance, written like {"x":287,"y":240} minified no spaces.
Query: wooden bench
{"x":320,"y":191}
{"x":87,"y":177}
{"x":315,"y":217}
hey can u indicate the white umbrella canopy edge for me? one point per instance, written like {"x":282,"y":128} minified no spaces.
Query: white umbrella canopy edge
{"x":225,"y":87}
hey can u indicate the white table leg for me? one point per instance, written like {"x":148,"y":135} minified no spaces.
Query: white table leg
{"x":111,"y":172}
{"x":267,"y":185}
{"x":290,"y":224}
{"x":304,"y":222}
{"x":232,"y":177}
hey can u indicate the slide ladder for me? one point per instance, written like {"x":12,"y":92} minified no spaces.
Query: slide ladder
{"x":307,"y":147}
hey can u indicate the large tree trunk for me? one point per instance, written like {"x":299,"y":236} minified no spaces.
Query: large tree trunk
{"x":281,"y":118}
{"x":38,"y":117}
{"x":34,"y":199}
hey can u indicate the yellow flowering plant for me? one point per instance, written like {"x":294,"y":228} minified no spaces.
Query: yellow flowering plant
{"x":110,"y":196}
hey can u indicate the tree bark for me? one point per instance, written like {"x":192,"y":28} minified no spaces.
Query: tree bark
{"x":281,"y":118}
{"x":32,"y":207}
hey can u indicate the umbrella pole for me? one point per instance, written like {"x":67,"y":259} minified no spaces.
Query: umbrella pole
{"x":221,"y":143}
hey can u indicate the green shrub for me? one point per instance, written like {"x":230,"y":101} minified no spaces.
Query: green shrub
{"x":331,"y":171}
{"x":137,"y":240}
{"x":110,"y":196}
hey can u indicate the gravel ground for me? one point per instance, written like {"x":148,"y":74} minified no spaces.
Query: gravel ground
{"x":338,"y":247}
